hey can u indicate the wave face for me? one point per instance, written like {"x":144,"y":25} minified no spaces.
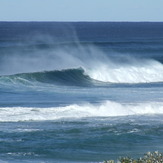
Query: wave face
{"x":107,"y":109}
{"x":73,"y":77}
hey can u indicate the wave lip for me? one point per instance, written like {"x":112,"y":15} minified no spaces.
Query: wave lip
{"x":106,"y":109}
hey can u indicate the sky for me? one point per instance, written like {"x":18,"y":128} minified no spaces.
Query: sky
{"x":81,"y":10}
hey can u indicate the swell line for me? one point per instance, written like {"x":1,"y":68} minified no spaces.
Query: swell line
{"x":149,"y":71}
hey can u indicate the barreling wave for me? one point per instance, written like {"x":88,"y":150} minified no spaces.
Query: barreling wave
{"x":106,"y":109}
{"x":72,"y":77}
{"x":150,"y":71}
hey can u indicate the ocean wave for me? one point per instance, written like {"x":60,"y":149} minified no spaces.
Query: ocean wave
{"x":73,"y":77}
{"x":106,"y":109}
{"x":106,"y":70}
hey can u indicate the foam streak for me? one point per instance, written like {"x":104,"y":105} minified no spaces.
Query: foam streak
{"x":107,"y":109}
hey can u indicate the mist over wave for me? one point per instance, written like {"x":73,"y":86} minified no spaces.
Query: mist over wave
{"x":106,"y":109}
{"x":97,"y":64}
{"x":54,"y":55}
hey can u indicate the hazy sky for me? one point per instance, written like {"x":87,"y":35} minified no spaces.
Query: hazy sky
{"x":81,"y":10}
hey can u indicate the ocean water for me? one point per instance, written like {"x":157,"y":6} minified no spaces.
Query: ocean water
{"x":80,"y":92}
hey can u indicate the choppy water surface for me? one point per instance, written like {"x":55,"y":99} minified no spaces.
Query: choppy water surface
{"x":80,"y":92}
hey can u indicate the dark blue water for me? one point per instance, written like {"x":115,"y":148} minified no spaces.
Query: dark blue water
{"x":80,"y":92}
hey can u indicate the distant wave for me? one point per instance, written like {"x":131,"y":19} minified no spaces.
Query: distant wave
{"x":106,"y":109}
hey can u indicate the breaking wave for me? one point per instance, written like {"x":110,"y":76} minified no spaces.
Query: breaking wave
{"x":148,"y":72}
{"x":107,"y":109}
{"x":60,"y":65}
{"x":144,"y":72}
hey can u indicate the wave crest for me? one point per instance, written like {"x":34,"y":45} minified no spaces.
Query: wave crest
{"x":148,"y":72}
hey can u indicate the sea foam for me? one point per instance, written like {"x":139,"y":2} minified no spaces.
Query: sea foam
{"x":147,"y":72}
{"x":106,"y":109}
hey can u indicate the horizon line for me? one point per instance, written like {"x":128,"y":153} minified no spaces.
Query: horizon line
{"x":53,"y":21}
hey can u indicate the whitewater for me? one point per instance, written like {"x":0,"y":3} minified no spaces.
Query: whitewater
{"x":80,"y":92}
{"x":107,"y":109}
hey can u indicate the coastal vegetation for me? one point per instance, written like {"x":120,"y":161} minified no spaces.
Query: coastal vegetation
{"x":149,"y":157}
